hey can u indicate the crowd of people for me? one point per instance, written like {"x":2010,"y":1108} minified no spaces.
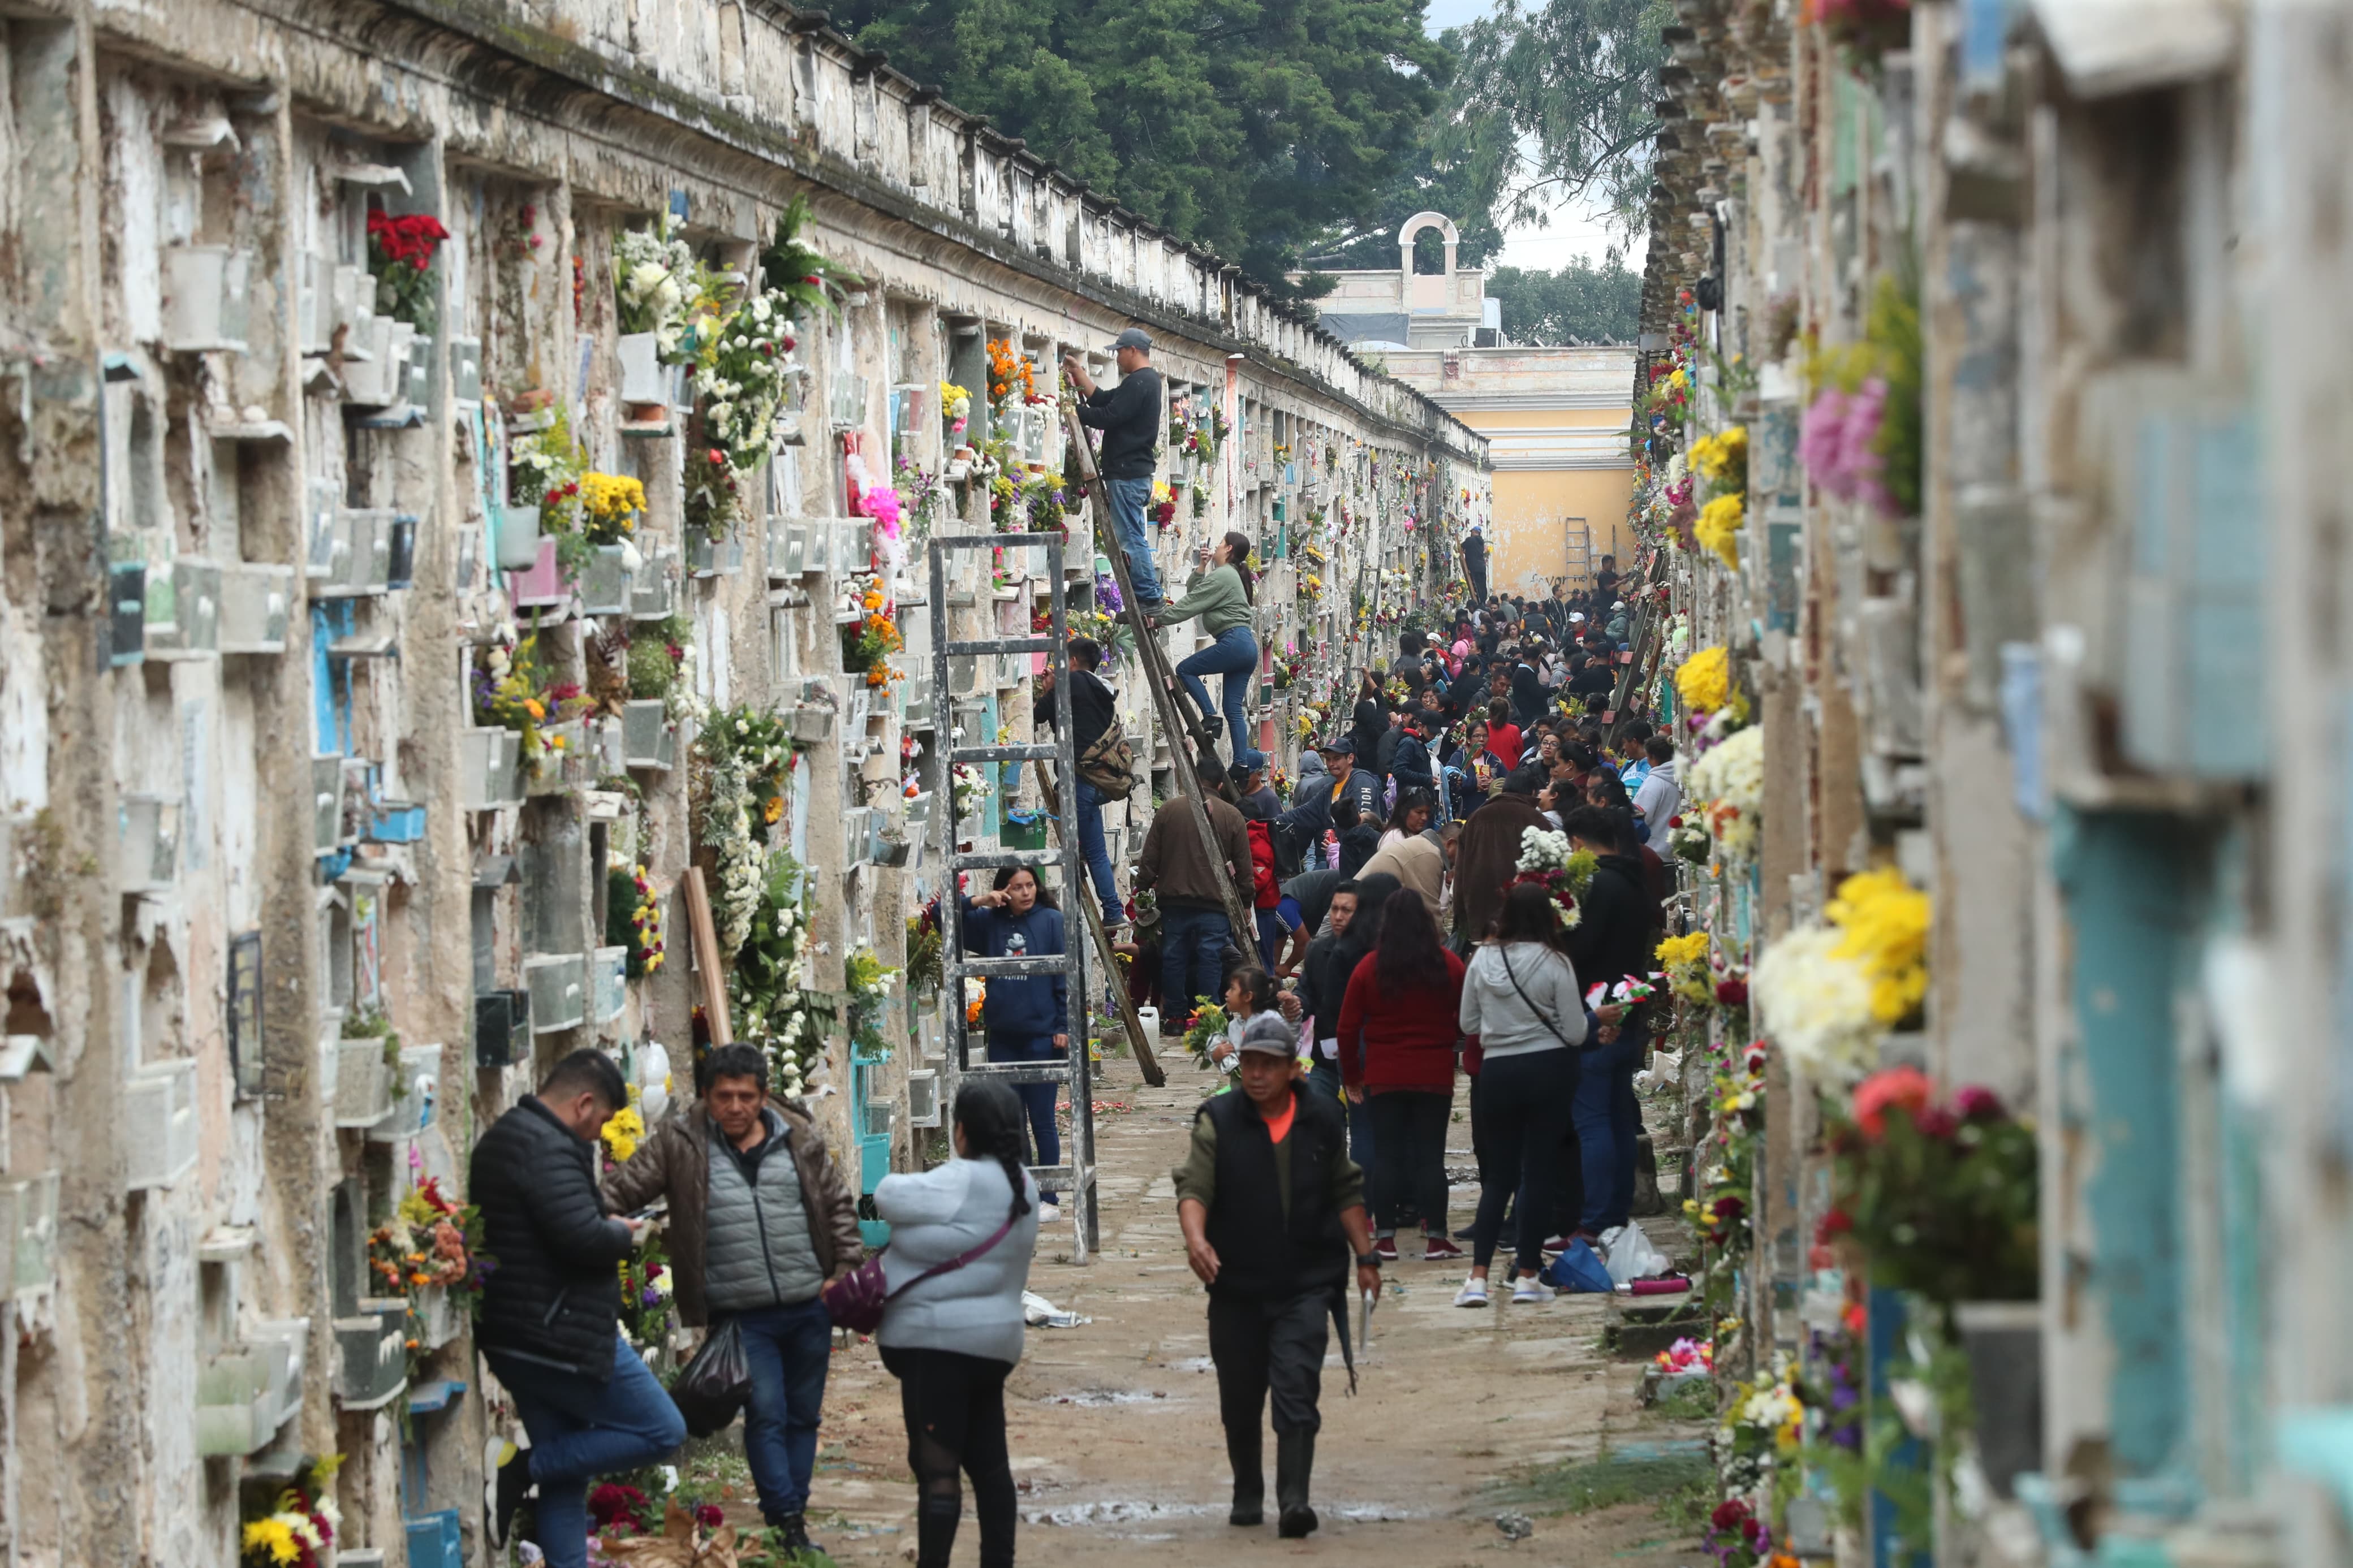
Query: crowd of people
{"x":1399,"y":956}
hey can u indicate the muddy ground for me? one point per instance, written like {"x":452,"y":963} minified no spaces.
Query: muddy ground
{"x":1461,"y":1415}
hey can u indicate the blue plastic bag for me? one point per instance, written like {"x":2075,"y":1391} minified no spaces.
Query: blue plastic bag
{"x":1578,"y":1271}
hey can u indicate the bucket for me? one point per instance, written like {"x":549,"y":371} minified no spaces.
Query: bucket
{"x":1150,"y":1018}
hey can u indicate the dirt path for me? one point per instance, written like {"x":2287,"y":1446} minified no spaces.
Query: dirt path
{"x":1114,"y":1427}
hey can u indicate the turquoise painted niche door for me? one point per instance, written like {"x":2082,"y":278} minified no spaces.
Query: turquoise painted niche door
{"x":873,"y":1141}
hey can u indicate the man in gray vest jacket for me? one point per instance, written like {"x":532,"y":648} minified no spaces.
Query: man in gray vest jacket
{"x":759,"y":1221}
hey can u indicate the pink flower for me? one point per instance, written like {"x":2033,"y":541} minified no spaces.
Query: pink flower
{"x":1835,"y":443}
{"x":1975,"y":1103}
{"x":1896,"y":1088}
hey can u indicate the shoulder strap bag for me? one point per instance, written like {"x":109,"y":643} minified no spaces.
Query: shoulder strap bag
{"x":1504,"y":955}
{"x":855,"y":1301}
{"x":1109,"y":764}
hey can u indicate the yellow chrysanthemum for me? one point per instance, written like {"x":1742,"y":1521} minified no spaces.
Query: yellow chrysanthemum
{"x":625,"y":1131}
{"x":1679,"y":949}
{"x":1718,"y":529}
{"x":1704,"y":681}
{"x":274,"y":1535}
{"x":1885,"y":921}
{"x":1713,"y":456}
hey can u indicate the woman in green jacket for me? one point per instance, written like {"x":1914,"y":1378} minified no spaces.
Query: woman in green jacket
{"x":1219,"y":593}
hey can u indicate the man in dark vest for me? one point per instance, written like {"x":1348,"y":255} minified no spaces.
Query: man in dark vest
{"x":1272,"y":1209}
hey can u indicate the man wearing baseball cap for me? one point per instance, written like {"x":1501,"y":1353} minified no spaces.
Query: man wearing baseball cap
{"x":1272,"y":1209}
{"x":1129,"y":416}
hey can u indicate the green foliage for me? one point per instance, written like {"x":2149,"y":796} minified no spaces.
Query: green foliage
{"x":1942,"y":1206}
{"x":1258,"y":128}
{"x":654,"y":654}
{"x":792,"y":268}
{"x":1590,"y":304}
{"x":1552,"y":101}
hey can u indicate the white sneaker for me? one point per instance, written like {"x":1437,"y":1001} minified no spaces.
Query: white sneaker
{"x":1049,"y":1212}
{"x":1530,"y":1291}
{"x":1473,"y":1294}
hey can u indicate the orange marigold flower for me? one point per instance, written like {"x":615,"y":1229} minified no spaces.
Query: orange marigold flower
{"x":774,"y":808}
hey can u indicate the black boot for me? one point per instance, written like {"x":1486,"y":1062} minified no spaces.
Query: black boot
{"x":1294,"y":1465}
{"x":1243,"y":1451}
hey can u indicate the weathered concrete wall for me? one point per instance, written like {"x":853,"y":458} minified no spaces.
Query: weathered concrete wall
{"x":160,"y":798}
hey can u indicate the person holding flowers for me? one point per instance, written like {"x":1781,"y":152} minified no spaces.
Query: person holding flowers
{"x":760,"y":1222}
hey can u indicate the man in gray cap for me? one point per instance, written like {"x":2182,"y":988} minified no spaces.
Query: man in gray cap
{"x":1129,"y":416}
{"x":1272,"y":1210}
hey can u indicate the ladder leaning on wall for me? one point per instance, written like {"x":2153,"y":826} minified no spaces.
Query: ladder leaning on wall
{"x":1075,"y":1175}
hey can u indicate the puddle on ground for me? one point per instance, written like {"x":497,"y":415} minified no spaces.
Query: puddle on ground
{"x":1092,"y":1398}
{"x":1121,"y":1510}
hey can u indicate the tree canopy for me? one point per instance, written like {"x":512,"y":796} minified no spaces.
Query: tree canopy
{"x":1587,"y":304}
{"x":1263,"y":129}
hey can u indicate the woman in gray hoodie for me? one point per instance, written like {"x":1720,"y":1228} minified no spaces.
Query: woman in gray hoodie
{"x":1520,"y":997}
{"x":952,"y":1339}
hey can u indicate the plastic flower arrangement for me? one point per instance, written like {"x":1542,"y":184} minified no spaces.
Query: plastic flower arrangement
{"x":301,"y":1525}
{"x":1704,"y":681}
{"x":1686,"y":1355}
{"x":655,"y":278}
{"x":1729,"y":778}
{"x":955,"y":408}
{"x":611,"y":505}
{"x":746,"y":753}
{"x":1718,"y":529}
{"x":767,"y":987}
{"x":401,"y":249}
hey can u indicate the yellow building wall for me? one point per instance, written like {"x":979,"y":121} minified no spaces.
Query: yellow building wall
{"x":1538,"y":509}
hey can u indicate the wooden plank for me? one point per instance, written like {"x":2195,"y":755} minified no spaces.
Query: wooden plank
{"x":1083,"y":893}
{"x":1165,"y":694}
{"x":707,"y":966}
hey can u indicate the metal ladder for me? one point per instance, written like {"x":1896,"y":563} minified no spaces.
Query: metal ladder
{"x":1076,"y":1174}
{"x":1577,"y":551}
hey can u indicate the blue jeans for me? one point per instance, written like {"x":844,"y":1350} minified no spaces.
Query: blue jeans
{"x":1192,"y":958}
{"x":789,"y":1349}
{"x":1095,"y":851}
{"x":1128,"y":500}
{"x":1234,"y":656}
{"x":1608,"y":1119}
{"x":1037,"y":1099}
{"x":580,"y":1430}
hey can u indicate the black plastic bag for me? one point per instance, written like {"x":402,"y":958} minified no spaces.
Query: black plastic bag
{"x":713,"y":1387}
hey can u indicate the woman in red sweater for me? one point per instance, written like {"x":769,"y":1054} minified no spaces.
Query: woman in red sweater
{"x":1402,"y":1000}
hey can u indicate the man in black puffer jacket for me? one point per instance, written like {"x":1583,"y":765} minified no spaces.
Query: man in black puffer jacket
{"x":549,"y":1316}
{"x":1610,"y":941}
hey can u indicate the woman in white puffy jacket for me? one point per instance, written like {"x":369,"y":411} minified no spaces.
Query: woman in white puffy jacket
{"x":951,"y":1340}
{"x":1520,"y":997}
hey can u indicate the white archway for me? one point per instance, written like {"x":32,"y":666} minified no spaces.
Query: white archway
{"x":1412,"y":227}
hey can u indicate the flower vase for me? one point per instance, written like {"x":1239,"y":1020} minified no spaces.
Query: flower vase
{"x":518,"y":538}
{"x":642,"y":378}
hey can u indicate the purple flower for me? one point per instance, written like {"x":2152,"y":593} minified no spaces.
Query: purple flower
{"x":1107,"y":597}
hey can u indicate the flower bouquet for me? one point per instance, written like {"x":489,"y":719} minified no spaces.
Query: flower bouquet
{"x":955,"y":408}
{"x":1686,"y":1355}
{"x":1547,"y":861}
{"x":1205,"y":1036}
{"x":1163,"y":510}
{"x":402,"y":251}
{"x":868,"y":644}
{"x":654,"y":280}
{"x":299,"y":1528}
{"x":966,"y":784}
{"x":1729,"y":778}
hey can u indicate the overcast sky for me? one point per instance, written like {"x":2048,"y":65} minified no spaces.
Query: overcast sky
{"x":1573,"y":232}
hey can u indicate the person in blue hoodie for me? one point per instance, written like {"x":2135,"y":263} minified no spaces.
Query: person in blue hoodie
{"x":1027,"y":1018}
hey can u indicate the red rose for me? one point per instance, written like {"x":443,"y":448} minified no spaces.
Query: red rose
{"x":788,"y":343}
{"x":1730,"y":1514}
{"x":1975,"y":1103}
{"x":1732,"y":993}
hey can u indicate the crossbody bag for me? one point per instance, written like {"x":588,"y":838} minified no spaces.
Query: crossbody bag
{"x":855,"y":1301}
{"x":1503,"y":954}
